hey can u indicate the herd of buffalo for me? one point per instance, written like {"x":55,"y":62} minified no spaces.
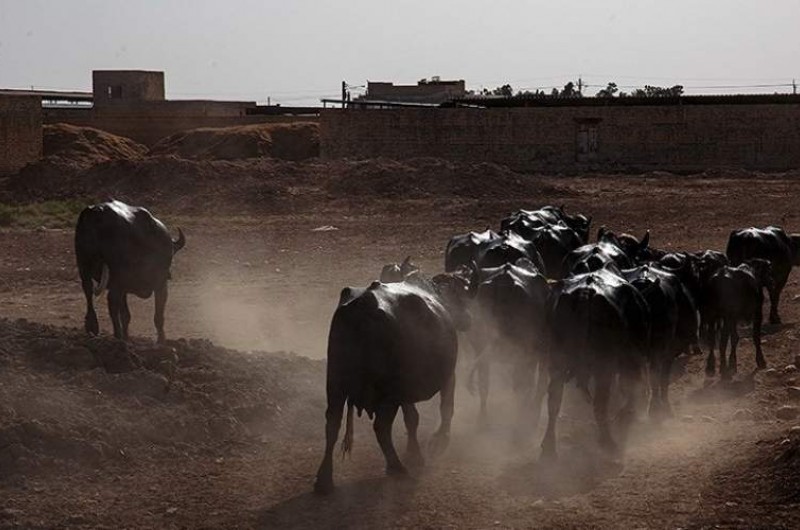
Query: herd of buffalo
{"x":537,"y":294}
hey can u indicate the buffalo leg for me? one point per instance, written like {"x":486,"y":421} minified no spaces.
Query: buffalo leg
{"x":125,"y":316}
{"x":384,"y":418}
{"x":333,"y":421}
{"x":664,"y":376}
{"x":541,"y":391}
{"x":760,"y":361}
{"x":654,"y":379}
{"x":411,"y":419}
{"x":90,"y":320}
{"x":723,"y":347}
{"x":158,"y":319}
{"x":555,"y":393}
{"x":446,"y":408}
{"x":711,"y":361}
{"x":732,"y":360}
{"x":483,"y":390}
{"x":602,"y":393}
{"x":114,"y":311}
{"x":774,"y":300}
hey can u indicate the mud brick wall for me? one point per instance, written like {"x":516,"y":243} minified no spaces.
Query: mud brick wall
{"x":681,"y":138}
{"x":20,"y":132}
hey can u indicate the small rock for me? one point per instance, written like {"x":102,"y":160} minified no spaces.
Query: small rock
{"x":743,"y":414}
{"x":731,"y":504}
{"x":793,"y":391}
{"x":785,"y":441}
{"x":791,"y":381}
{"x":795,"y":430}
{"x":538,"y":503}
{"x":172,"y":510}
{"x":708,"y":419}
{"x":787,"y":412}
{"x":771,"y":372}
{"x":687,"y":419}
{"x":790,"y":369}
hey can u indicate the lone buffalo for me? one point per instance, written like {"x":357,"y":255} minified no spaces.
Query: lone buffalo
{"x":127,"y":250}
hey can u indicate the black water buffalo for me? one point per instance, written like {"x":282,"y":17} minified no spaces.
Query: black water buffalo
{"x":553,"y":241}
{"x":509,"y":248}
{"x":639,"y":250}
{"x":600,"y":328}
{"x":735,"y":295}
{"x":511,"y":307}
{"x":127,"y":250}
{"x":390,"y":346}
{"x":463,"y":249}
{"x":673,"y":327}
{"x":770,"y":243}
{"x":522,"y":220}
{"x":595,"y":256}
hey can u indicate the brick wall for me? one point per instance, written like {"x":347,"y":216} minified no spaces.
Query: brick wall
{"x":679,"y":138}
{"x":20,"y":132}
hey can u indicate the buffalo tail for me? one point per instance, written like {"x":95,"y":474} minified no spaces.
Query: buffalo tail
{"x":100,"y":287}
{"x":347,"y":442}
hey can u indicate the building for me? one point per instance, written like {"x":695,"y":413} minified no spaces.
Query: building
{"x":20,"y":131}
{"x":133,"y":103}
{"x":432,"y":92}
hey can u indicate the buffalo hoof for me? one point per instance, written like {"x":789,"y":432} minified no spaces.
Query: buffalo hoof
{"x":609,"y":446}
{"x":323,"y":486}
{"x":438,"y":444}
{"x":397,"y":470}
{"x":414,"y":459}
{"x":549,"y":454}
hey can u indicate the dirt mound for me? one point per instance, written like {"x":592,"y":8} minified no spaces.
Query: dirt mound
{"x":267,"y":184}
{"x":85,"y":146}
{"x":296,"y":141}
{"x":67,"y":399}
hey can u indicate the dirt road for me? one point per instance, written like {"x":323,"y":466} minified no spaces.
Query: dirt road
{"x":270,"y":283}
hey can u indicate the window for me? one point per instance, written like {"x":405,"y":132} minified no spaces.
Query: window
{"x":114,"y":91}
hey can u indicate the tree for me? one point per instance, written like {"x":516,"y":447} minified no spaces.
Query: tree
{"x":658,"y":92}
{"x":609,"y":91}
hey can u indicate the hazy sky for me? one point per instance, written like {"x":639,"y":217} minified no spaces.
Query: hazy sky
{"x":297,"y":51}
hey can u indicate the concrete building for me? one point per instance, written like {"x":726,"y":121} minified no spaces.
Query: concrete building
{"x":20,"y":132}
{"x":433,"y":91}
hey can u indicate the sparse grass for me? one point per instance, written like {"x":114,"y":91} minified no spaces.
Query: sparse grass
{"x":49,"y":214}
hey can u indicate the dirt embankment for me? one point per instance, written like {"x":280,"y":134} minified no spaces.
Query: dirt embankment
{"x":70,"y":400}
{"x":295,"y":141}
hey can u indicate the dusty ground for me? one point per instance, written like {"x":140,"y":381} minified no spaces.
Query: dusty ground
{"x":269,"y":282}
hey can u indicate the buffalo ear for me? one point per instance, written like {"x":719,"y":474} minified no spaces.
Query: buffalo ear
{"x":561,"y":208}
{"x":643,"y":244}
{"x":601,"y":232}
{"x":406,"y":261}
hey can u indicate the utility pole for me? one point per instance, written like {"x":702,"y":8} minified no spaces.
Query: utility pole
{"x":344,"y":93}
{"x":580,"y":85}
{"x":794,"y":86}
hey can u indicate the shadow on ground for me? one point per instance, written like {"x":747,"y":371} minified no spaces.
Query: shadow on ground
{"x":578,"y":469}
{"x":359,"y":502}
